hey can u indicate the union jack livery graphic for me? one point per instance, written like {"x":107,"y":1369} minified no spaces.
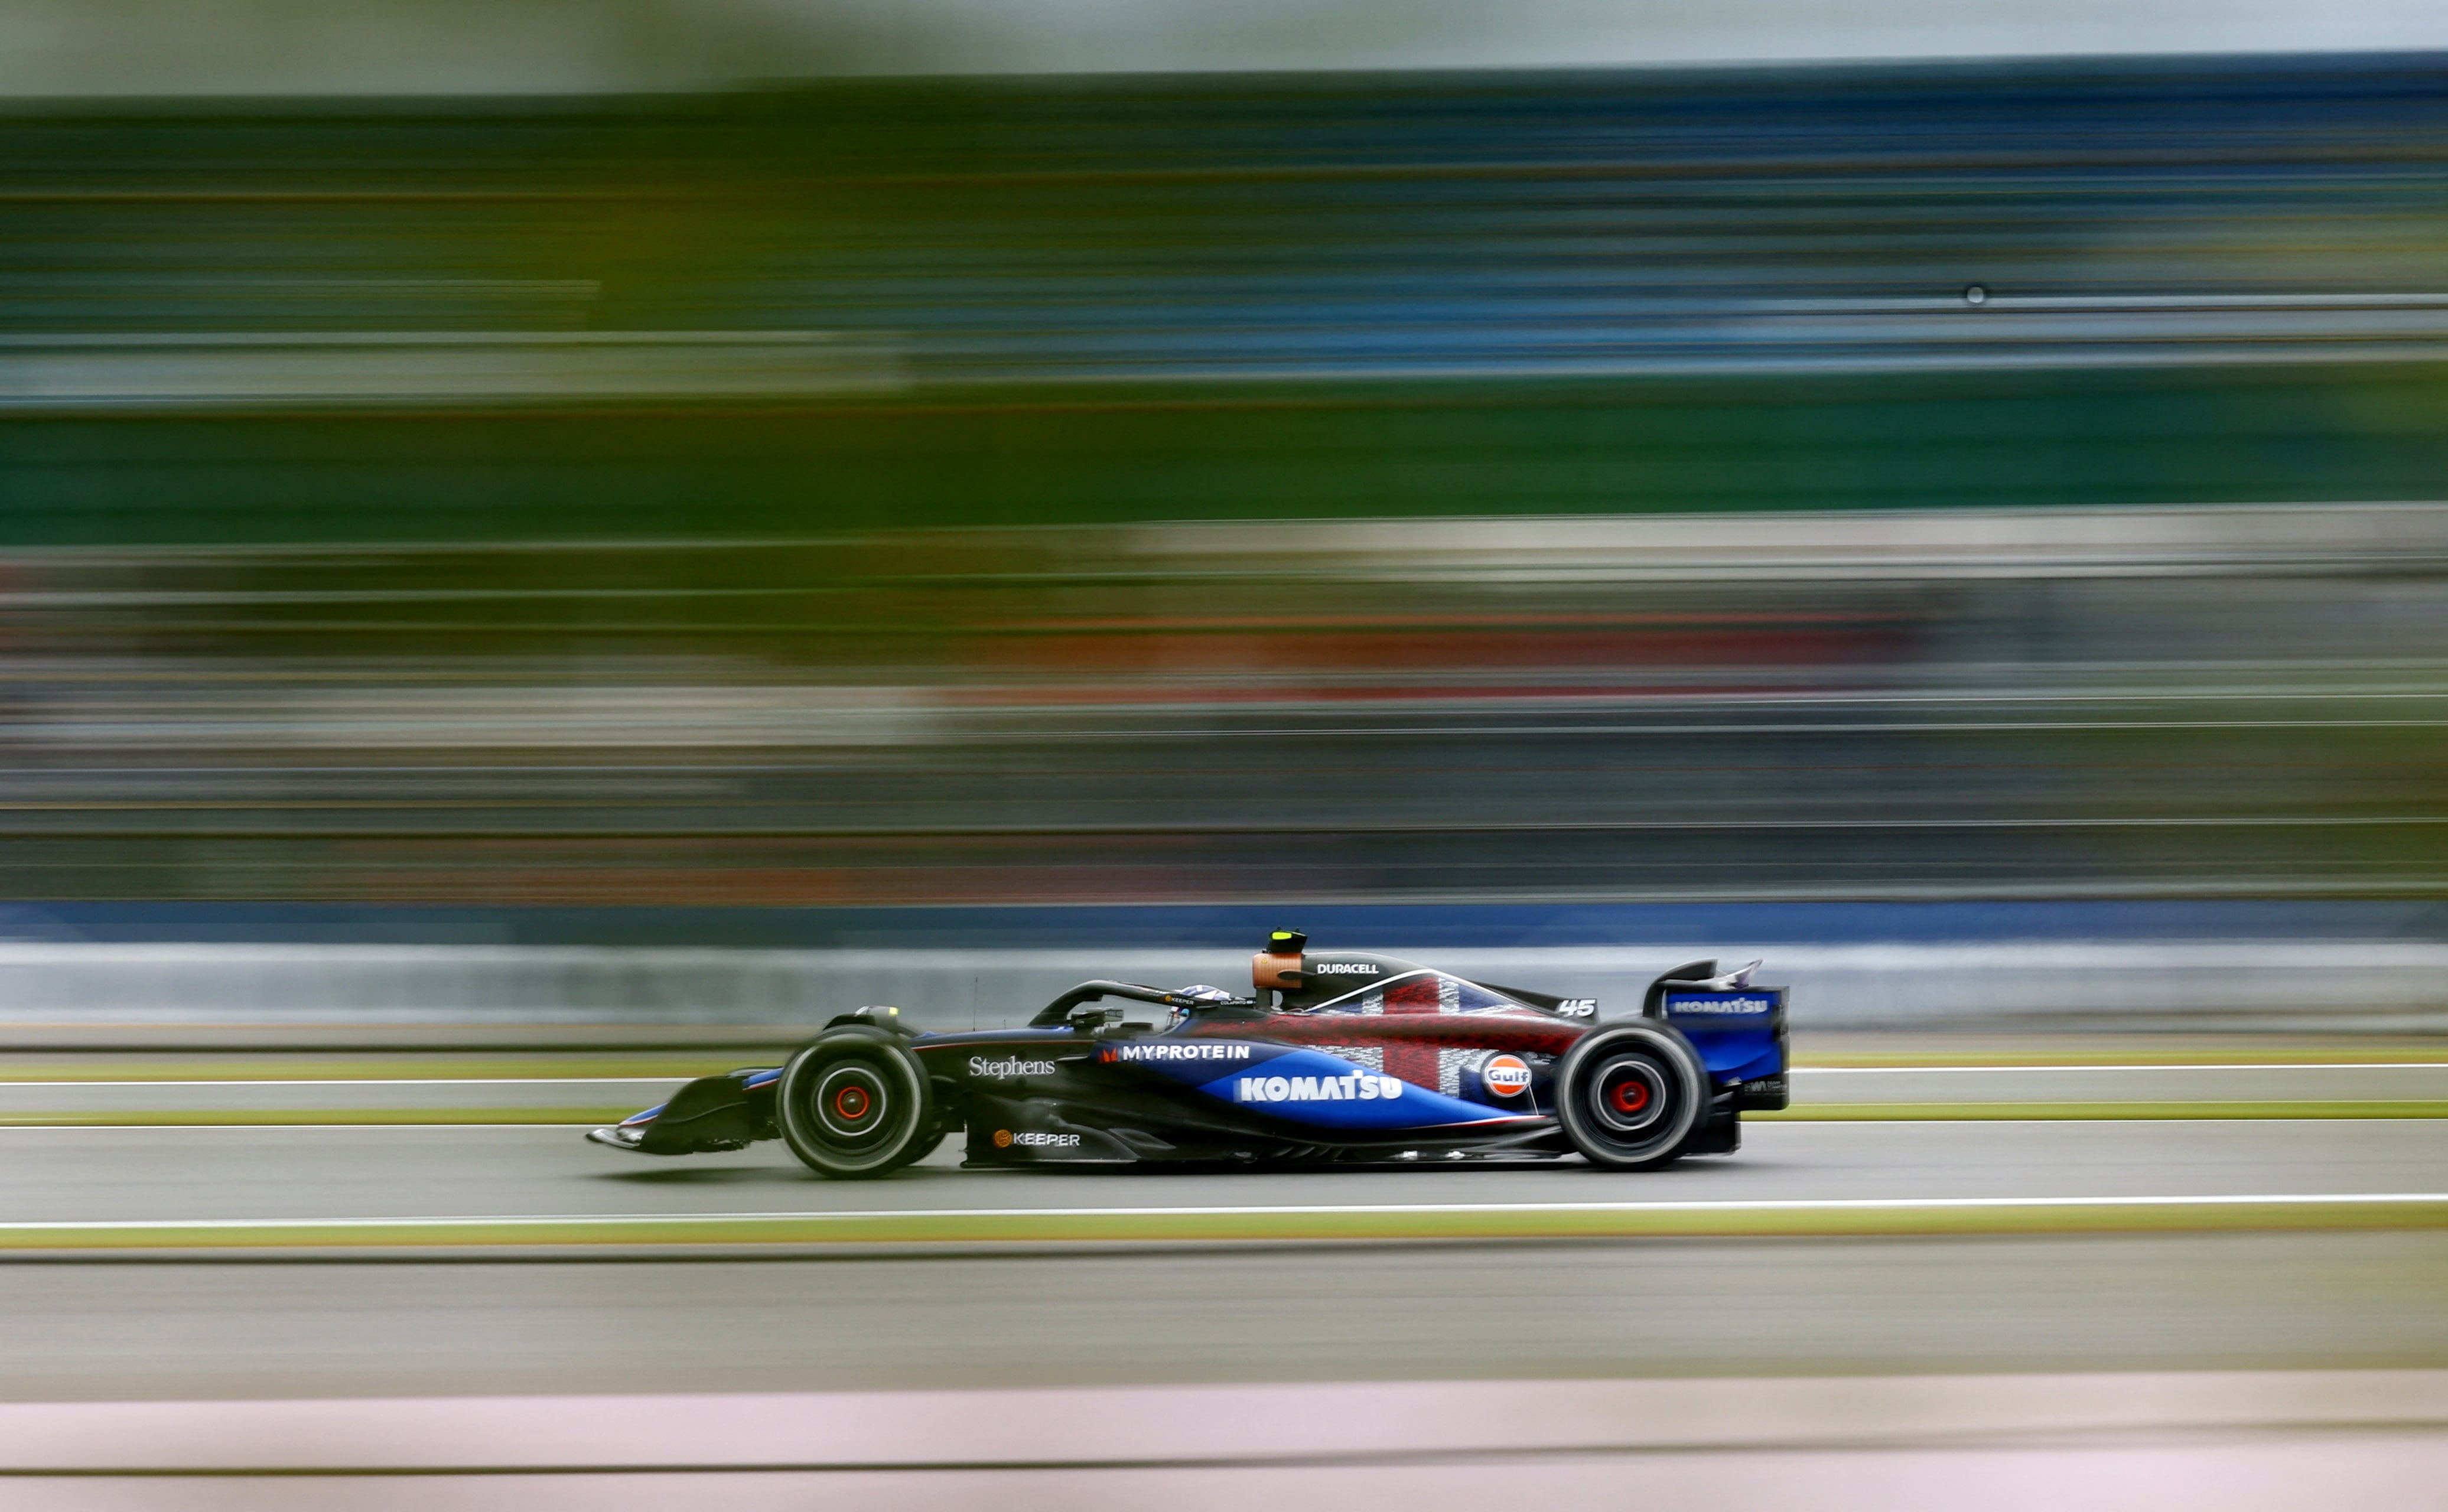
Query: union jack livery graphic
{"x":1350,"y":1057}
{"x":1434,"y":1068}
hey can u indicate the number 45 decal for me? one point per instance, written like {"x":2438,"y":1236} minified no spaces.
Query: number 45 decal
{"x":1578,"y":1008}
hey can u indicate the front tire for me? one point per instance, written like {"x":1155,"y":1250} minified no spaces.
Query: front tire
{"x":1631,"y":1095}
{"x":855,"y":1104}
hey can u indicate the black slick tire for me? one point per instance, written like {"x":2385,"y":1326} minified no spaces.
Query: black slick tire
{"x":855,"y":1104}
{"x":1631,"y":1095}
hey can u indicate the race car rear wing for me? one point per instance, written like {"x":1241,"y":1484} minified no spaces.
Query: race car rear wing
{"x":1738,"y":1028}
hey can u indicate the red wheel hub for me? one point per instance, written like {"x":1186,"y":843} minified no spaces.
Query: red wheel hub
{"x":1630,"y":1095}
{"x":852,"y":1102}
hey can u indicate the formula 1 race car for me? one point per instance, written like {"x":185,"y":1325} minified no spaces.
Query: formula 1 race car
{"x":1343,"y":1058}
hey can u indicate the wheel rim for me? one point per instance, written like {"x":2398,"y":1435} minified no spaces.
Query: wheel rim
{"x":852,"y":1105}
{"x":1630,"y":1095}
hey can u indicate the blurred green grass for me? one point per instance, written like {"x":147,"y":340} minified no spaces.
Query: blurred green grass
{"x":1144,"y":454}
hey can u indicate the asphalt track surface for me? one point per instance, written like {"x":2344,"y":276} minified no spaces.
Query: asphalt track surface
{"x":132,"y":1173}
{"x":170,"y":1325}
{"x":175,"y":1326}
{"x":1887,"y":1339}
{"x":1463,"y":1311}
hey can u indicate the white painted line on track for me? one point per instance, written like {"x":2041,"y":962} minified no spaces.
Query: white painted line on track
{"x":1276,"y":1210}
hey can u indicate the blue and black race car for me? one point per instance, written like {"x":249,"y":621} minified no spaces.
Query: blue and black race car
{"x":1332,"y":1058}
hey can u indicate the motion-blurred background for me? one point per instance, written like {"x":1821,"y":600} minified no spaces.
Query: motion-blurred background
{"x":1981,"y":480}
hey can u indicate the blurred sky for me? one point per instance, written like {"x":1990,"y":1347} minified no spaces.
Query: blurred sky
{"x":412,"y":46}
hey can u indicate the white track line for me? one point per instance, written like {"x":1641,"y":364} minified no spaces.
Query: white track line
{"x":1285,"y":1210}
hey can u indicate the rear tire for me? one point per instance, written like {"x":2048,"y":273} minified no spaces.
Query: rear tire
{"x":855,"y":1104}
{"x":1632,"y":1095}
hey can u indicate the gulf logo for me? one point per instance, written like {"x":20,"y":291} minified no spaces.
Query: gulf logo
{"x":1505,"y":1076}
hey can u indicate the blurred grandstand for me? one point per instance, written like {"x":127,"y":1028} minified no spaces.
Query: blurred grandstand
{"x":1905,"y":482}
